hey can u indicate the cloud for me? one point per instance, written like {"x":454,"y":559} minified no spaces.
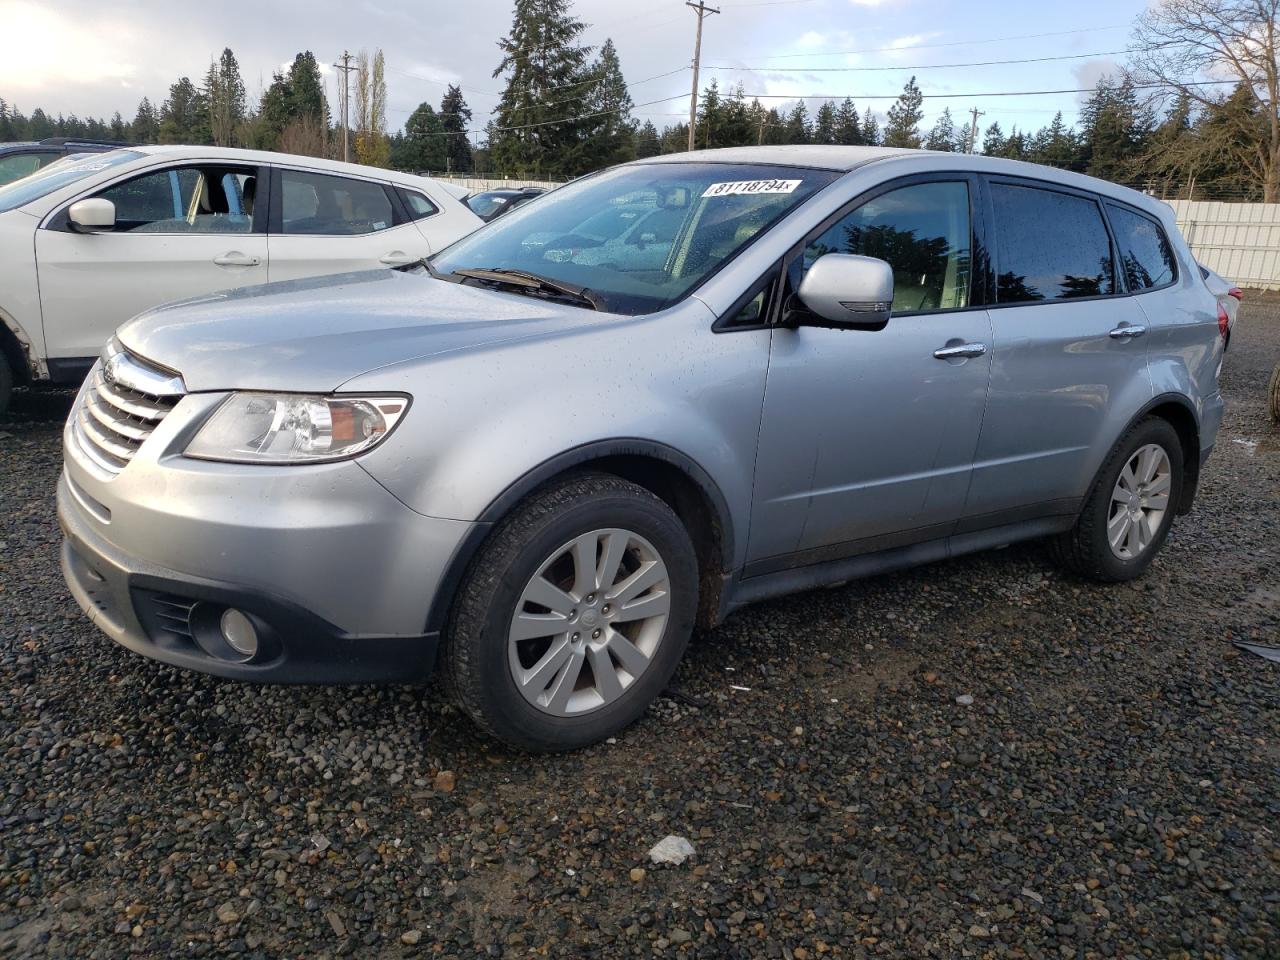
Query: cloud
{"x":1089,"y":72}
{"x":84,"y":51}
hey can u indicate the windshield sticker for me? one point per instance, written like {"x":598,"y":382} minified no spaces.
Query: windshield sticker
{"x":736,"y":187}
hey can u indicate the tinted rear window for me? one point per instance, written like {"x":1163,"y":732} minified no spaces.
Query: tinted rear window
{"x":1145,"y":252}
{"x":1049,"y":245}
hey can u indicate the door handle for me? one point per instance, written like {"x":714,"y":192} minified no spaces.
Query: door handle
{"x":397,"y":258}
{"x":960,"y":351}
{"x":236,"y":259}
{"x":1125,"y":331}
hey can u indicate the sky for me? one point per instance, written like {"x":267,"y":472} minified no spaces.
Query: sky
{"x":93,"y":57}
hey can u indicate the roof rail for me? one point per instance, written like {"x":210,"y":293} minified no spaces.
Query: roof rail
{"x":68,"y":141}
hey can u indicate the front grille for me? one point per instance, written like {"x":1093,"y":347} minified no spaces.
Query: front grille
{"x":123,"y":402}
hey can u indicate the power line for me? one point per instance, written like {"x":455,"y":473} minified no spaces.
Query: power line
{"x":925,"y":66}
{"x":952,"y":43}
{"x":951,"y":96}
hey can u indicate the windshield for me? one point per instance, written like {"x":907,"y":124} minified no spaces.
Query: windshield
{"x":58,"y":175}
{"x":638,"y":238}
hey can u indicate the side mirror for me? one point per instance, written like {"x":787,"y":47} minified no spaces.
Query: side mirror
{"x":93,"y":215}
{"x":848,"y":291}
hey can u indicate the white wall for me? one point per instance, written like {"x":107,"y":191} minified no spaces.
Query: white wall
{"x":1241,"y":241}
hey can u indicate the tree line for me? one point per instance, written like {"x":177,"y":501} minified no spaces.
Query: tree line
{"x":566,"y":109}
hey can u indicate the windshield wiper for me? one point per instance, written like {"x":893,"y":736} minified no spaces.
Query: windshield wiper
{"x":522,"y":280}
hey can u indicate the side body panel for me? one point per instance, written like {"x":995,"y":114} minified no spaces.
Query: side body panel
{"x":20,"y":290}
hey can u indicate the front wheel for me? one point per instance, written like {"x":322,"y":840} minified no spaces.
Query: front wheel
{"x":1129,"y":510}
{"x":574,"y":616}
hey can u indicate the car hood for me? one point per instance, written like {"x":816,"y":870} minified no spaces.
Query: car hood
{"x":314,"y":335}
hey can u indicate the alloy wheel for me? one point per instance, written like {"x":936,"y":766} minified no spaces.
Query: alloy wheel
{"x":1139,"y":501}
{"x":588,"y":622}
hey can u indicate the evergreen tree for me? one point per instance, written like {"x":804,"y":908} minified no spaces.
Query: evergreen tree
{"x":7,"y":125}
{"x":39,"y":126}
{"x":739,"y":121}
{"x":1116,"y":127}
{"x":848,"y":131}
{"x":608,"y":133}
{"x":824,"y":124}
{"x":647,"y":141}
{"x":870,"y":129}
{"x":225,"y":95}
{"x":993,"y":141}
{"x":185,"y":115}
{"x":706,"y":134}
{"x":119,"y":129}
{"x":797,"y":124}
{"x":422,"y":147}
{"x":943,"y":134}
{"x":903,"y":126}
{"x":547,"y":81}
{"x":454,"y":117}
{"x":146,"y":123}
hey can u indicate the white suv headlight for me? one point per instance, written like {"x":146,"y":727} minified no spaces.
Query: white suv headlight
{"x":295,"y":428}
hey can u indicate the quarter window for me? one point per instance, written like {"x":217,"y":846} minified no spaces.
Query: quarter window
{"x":1049,"y":246}
{"x":315,"y":203}
{"x":185,"y":200}
{"x":419,"y":206}
{"x":18,"y":165}
{"x":922,"y":231}
{"x":1144,"y":249}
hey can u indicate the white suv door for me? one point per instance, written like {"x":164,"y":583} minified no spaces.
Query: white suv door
{"x":322,"y":224}
{"x":180,"y":232}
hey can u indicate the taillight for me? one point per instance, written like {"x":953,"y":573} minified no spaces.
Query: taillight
{"x":1236,"y":292}
{"x":1224,"y":322}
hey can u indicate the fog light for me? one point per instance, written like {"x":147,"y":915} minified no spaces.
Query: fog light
{"x":238,"y":631}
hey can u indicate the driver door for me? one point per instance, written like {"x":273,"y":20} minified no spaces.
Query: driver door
{"x":867,"y":437}
{"x":180,"y":232}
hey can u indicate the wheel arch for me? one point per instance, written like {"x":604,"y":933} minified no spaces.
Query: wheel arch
{"x":666,"y":472}
{"x":15,"y":352}
{"x":1178,"y":411}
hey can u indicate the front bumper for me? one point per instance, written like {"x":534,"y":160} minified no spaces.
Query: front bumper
{"x":172,"y":617}
{"x":336,"y":575}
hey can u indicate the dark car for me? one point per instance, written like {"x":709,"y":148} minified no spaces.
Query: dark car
{"x":494,"y":203}
{"x":19,"y":159}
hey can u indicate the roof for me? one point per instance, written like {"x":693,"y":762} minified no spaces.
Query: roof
{"x":181,"y":152}
{"x":823,"y":157}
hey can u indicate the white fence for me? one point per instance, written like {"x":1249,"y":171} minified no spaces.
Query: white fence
{"x":480,"y":184}
{"x":1241,"y":241}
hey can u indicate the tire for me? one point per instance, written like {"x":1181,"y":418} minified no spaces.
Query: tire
{"x":484,"y":651}
{"x":1086,"y":548}
{"x":1273,"y":395}
{"x":6,"y":385}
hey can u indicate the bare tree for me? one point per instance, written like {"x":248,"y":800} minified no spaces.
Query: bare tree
{"x":371,"y":146}
{"x":1184,"y":43}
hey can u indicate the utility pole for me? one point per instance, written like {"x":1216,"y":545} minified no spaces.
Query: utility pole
{"x":973,"y":128}
{"x":701,"y":9}
{"x":344,"y":98}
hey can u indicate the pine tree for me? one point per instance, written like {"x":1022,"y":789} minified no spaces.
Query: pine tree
{"x":548,"y":80}
{"x":184,"y":116}
{"x":454,"y":117}
{"x":1115,"y":129}
{"x":903,"y":126}
{"x":824,"y":124}
{"x":422,"y":147}
{"x":146,"y":124}
{"x":848,"y":131}
{"x":225,"y":95}
{"x":993,"y":141}
{"x":647,"y":141}
{"x":797,"y":124}
{"x":608,"y":134}
{"x":943,"y":134}
{"x":870,"y":129}
{"x":706,"y":134}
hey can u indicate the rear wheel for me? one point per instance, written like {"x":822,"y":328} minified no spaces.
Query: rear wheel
{"x":1129,"y":510}
{"x":574,"y":616}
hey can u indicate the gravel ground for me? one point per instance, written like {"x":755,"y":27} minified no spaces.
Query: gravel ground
{"x":1112,"y":787}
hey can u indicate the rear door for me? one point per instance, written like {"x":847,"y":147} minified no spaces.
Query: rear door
{"x":180,"y":231}
{"x":322,"y":223}
{"x":1070,"y":363}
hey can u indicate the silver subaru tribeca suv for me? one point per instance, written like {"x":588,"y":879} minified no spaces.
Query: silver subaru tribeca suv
{"x":536,"y":461}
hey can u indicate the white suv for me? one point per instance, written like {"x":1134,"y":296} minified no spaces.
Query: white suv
{"x":89,"y":244}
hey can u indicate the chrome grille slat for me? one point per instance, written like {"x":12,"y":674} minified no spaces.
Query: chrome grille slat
{"x":112,"y":420}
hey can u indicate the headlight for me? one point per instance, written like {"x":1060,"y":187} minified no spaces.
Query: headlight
{"x":295,"y":428}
